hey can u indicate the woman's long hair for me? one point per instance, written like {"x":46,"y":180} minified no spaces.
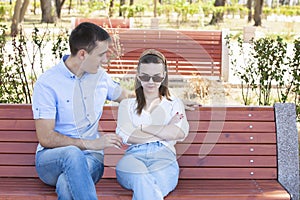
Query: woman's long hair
{"x":151,"y":56}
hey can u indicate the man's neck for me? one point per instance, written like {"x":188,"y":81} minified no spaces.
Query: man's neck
{"x":73,"y":64}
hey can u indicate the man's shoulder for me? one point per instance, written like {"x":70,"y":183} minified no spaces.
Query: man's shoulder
{"x":50,"y":75}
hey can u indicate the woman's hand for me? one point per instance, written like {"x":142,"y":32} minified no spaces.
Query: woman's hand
{"x":176,"y":118}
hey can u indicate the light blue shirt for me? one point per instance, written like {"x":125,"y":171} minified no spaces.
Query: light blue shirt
{"x":75,"y":103}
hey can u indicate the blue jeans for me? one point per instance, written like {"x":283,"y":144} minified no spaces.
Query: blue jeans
{"x":74,"y":172}
{"x":150,"y":170}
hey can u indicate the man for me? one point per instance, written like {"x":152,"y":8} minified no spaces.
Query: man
{"x":68,"y":100}
{"x":67,"y":104}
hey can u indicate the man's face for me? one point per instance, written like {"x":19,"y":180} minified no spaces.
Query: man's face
{"x":93,"y":60}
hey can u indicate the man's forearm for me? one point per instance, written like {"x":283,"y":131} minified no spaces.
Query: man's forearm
{"x":54,"y":139}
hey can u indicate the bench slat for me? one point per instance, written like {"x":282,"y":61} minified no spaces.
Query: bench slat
{"x":238,"y":113}
{"x":182,"y":148}
{"x":211,"y":161}
{"x":194,"y":126}
{"x":211,"y":126}
{"x":184,"y":160}
{"x":186,"y":173}
{"x":216,"y":173}
{"x":193,"y":137}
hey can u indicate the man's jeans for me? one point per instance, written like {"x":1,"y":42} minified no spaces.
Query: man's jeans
{"x":74,"y":172}
{"x":150,"y":170}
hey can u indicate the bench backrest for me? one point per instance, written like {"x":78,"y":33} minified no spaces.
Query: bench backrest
{"x":188,"y":52}
{"x":103,"y":22}
{"x":223,"y":143}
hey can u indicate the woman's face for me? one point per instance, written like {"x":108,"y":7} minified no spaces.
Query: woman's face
{"x":151,"y":76}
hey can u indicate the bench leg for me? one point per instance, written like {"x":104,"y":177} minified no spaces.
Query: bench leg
{"x":287,"y":147}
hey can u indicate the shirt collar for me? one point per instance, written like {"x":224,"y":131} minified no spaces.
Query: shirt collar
{"x":64,"y":69}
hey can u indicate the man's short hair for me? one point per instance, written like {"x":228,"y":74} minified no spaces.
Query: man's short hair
{"x":85,"y":36}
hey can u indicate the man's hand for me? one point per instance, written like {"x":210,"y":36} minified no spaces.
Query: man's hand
{"x":106,"y":140}
{"x":190,"y":105}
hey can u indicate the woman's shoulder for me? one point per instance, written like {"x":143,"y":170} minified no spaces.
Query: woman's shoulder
{"x":173,"y":100}
{"x":128,"y":102}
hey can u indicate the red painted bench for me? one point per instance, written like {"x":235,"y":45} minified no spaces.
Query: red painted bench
{"x":103,"y":22}
{"x":188,"y":52}
{"x":230,"y":153}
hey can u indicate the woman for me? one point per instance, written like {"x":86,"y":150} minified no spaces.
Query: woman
{"x":150,"y":124}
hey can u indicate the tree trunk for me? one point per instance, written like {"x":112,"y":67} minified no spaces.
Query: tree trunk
{"x":131,"y":2}
{"x":257,"y":12}
{"x":47,"y":15}
{"x":23,"y":10}
{"x":70,"y":7}
{"x":15,"y":19}
{"x":18,"y":16}
{"x":59,"y":4}
{"x":154,"y":8}
{"x":122,"y":2}
{"x":111,"y":8}
{"x":217,"y":16}
{"x":249,"y":6}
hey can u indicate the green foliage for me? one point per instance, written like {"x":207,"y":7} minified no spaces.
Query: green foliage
{"x":10,"y":90}
{"x":60,"y":44}
{"x":133,"y":10}
{"x":20,"y":66}
{"x":266,"y":66}
{"x":5,"y":11}
{"x":88,"y":7}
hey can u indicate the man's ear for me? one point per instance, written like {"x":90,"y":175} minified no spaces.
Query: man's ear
{"x":81,"y":54}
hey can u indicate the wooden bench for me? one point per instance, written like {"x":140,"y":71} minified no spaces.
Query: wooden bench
{"x":188,"y":52}
{"x":230,"y":153}
{"x":103,"y":22}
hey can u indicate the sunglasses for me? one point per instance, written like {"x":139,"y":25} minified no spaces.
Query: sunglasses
{"x":155,"y":78}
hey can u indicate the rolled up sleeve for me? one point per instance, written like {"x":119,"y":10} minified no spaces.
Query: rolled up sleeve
{"x":43,"y":104}
{"x":125,"y":126}
{"x":183,"y":124}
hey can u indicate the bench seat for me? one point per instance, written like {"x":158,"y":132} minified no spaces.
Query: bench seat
{"x":109,"y":189}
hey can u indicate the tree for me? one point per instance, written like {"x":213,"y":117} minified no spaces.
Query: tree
{"x":154,"y":8}
{"x":257,"y":12}
{"x":59,"y":4}
{"x":122,"y":3}
{"x":249,"y":6}
{"x":258,"y":6}
{"x":218,"y":13}
{"x":47,"y":14}
{"x":18,"y":16}
{"x":111,"y":8}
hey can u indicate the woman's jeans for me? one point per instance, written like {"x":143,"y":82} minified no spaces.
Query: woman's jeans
{"x":74,"y":172}
{"x":150,"y":170}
